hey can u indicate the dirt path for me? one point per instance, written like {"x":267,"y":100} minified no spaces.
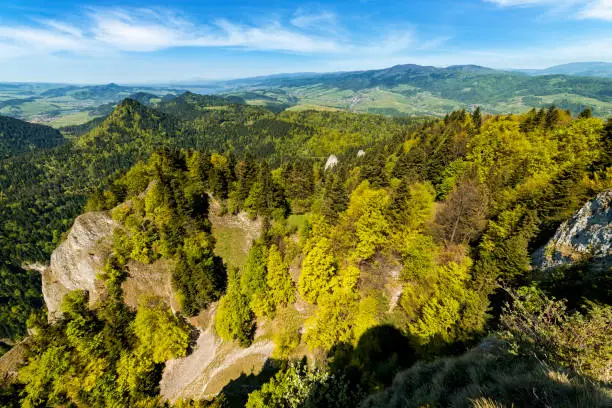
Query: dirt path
{"x":211,"y":365}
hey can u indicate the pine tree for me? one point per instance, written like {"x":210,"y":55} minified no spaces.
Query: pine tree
{"x":585,"y":114}
{"x":335,"y":199}
{"x":477,"y":118}
{"x":552,"y":117}
{"x":247,"y":175}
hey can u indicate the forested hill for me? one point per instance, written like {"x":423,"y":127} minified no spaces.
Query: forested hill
{"x":42,"y":192}
{"x":54,"y":185}
{"x":415,"y":89}
{"x":18,"y":137}
{"x":389,"y":260}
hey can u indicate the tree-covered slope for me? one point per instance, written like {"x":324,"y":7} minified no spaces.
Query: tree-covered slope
{"x":18,"y":137}
{"x":391,"y":255}
{"x":53,"y":185}
{"x":43,"y":192}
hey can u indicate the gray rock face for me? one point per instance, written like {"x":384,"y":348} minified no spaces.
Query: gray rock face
{"x":331,"y":162}
{"x":77,"y":260}
{"x":587,"y":233}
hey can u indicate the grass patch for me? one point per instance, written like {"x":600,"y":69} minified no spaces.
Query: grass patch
{"x":297,"y":221}
{"x":232,"y":244}
{"x":77,"y":118}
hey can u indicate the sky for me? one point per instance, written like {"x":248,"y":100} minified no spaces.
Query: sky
{"x":133,"y":41}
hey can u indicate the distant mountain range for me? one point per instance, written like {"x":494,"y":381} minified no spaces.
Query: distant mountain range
{"x":65,"y":104}
{"x":424,"y":90}
{"x":398,"y":91}
{"x":590,"y":69}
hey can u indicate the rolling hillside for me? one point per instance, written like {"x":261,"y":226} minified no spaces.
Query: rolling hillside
{"x":424,"y":90}
{"x":65,"y":105}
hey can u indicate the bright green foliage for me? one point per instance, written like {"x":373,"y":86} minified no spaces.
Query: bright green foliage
{"x":441,"y":309}
{"x":234,"y":318}
{"x":333,"y":322}
{"x":418,"y":207}
{"x":418,"y":253}
{"x":46,"y":378}
{"x":255,"y":201}
{"x":253,"y":277}
{"x":253,"y":281}
{"x":390,"y":253}
{"x":171,"y":223}
{"x":366,"y":212}
{"x":367,"y":316}
{"x":318,"y":268}
{"x":101,"y":358}
{"x":535,"y":325}
{"x":300,"y":386}
{"x":288,"y":323}
{"x":281,"y":289}
{"x":290,"y":388}
{"x":159,"y":331}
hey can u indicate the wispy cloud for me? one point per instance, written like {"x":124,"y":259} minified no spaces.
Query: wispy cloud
{"x":40,"y":39}
{"x":600,"y":9}
{"x":581,"y":9}
{"x":324,"y":20}
{"x":147,"y":30}
{"x":519,"y":3}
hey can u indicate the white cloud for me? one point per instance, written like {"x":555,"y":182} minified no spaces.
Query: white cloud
{"x":324,"y":21}
{"x":39,"y":39}
{"x":600,"y":9}
{"x":138,"y":30}
{"x":104,"y":31}
{"x":271,"y":37}
{"x":144,"y":30}
{"x":582,"y":9}
{"x":514,"y":3}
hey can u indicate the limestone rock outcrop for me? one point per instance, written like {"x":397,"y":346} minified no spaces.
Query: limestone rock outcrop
{"x":77,"y":260}
{"x":587,"y":234}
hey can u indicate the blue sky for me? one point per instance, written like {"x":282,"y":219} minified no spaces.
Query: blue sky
{"x":134,"y":41}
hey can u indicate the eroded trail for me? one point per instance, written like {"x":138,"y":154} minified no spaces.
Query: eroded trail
{"x":212,"y":364}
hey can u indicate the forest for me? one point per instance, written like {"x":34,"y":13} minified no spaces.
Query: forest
{"x":408,"y":280}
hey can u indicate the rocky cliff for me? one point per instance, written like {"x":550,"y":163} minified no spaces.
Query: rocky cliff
{"x":213,"y":362}
{"x":587,"y":234}
{"x":77,"y":260}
